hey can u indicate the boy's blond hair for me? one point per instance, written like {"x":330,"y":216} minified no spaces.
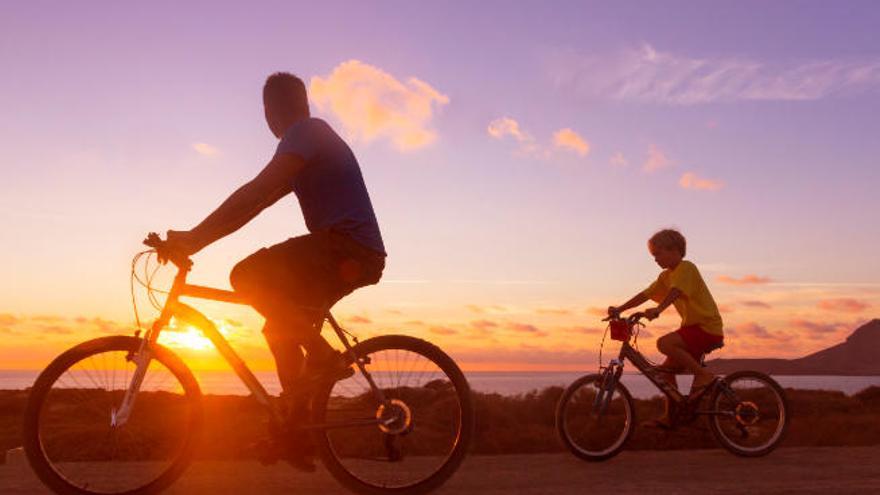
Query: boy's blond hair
{"x":669,"y":239}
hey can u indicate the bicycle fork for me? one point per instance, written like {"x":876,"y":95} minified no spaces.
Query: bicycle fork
{"x":610,"y":377}
{"x":141,"y":358}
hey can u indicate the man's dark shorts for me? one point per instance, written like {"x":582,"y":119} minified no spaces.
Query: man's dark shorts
{"x":307,"y":274}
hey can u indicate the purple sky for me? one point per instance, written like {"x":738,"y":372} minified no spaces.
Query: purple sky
{"x":770,"y":107}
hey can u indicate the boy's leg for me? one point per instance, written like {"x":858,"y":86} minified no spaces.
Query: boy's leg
{"x":674,"y":347}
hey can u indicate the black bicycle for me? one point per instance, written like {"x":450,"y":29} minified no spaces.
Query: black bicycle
{"x":747,"y":411}
{"x":122,"y":414}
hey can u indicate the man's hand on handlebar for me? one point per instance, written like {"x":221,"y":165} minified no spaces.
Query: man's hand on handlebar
{"x":173,"y":251}
{"x":182,"y":242}
{"x":652,"y":313}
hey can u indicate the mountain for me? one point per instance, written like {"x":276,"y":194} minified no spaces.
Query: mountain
{"x":859,"y":355}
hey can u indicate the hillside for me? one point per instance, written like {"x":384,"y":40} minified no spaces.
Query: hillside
{"x":858,"y":355}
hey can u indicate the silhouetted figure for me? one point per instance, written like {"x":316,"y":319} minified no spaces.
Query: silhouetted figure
{"x":680,"y":285}
{"x":293,"y":284}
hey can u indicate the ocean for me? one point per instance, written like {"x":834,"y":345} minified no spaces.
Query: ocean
{"x":500,"y":382}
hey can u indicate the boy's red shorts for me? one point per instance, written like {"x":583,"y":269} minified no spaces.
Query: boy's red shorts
{"x":698,"y":341}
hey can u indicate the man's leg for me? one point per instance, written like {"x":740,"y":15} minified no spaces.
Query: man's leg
{"x":286,"y":349}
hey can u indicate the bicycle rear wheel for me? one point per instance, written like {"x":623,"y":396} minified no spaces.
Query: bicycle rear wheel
{"x":424,"y":428}
{"x":69,"y":433}
{"x":588,"y":429}
{"x":751,"y":413}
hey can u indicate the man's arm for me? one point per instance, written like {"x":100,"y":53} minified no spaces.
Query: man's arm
{"x":273,"y":183}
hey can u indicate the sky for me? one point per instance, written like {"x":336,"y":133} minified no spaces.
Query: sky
{"x":518,"y":157}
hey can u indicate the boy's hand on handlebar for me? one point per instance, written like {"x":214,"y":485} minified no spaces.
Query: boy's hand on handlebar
{"x":652,"y":313}
{"x":613,"y":311}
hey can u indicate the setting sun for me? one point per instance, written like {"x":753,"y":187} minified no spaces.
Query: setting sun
{"x":188,"y":337}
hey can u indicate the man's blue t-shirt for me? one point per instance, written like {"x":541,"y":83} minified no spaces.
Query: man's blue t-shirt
{"x":330,"y":188}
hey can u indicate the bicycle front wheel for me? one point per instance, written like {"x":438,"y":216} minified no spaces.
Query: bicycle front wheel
{"x":412,"y":442}
{"x":78,"y":443}
{"x":595,"y":424}
{"x":750,"y":413}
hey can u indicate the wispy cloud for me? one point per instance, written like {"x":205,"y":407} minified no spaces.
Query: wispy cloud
{"x":645,"y":74}
{"x":527,"y":328}
{"x":504,"y":127}
{"x":553,"y":311}
{"x":571,"y":140}
{"x":843,"y":305}
{"x":744,"y":280}
{"x":690,"y":180}
{"x":205,"y":149}
{"x":372,"y":104}
{"x":656,"y":159}
{"x":565,"y":139}
{"x":755,"y":304}
{"x":618,"y":160}
{"x":443,"y":330}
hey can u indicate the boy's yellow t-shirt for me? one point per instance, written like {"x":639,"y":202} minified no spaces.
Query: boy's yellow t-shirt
{"x":695,"y":305}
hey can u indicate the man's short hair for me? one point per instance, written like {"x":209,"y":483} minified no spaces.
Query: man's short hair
{"x":286,"y":92}
{"x":669,"y":239}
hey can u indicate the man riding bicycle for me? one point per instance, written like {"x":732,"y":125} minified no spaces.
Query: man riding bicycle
{"x":293,"y":283}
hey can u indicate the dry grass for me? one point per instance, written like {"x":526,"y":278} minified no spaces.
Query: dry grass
{"x":524,"y":424}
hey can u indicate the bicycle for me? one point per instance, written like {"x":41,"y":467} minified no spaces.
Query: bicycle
{"x":123,"y":414}
{"x":747,"y":411}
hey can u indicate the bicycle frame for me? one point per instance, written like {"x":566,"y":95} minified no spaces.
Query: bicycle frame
{"x":175,"y":309}
{"x":612,"y":373}
{"x":615,"y":369}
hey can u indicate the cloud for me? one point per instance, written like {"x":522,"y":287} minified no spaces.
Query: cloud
{"x":618,"y":160}
{"x":506,"y":126}
{"x":491,"y":308}
{"x":483,"y":324}
{"x":597,"y":311}
{"x":752,"y":329}
{"x":645,"y":74}
{"x":571,"y":140}
{"x":755,"y":304}
{"x":503,"y":127}
{"x":359,"y":319}
{"x":817,"y":328}
{"x":656,"y":160}
{"x":843,"y":305}
{"x":553,"y":311}
{"x":443,"y":330}
{"x":563,"y":139}
{"x":690,"y":180}
{"x":8,"y":319}
{"x":527,"y":328}
{"x":372,"y":104}
{"x":205,"y":149}
{"x":745,"y":280}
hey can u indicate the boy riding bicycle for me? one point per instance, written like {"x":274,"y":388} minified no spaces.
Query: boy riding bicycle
{"x":294,"y":283}
{"x":681,"y":285}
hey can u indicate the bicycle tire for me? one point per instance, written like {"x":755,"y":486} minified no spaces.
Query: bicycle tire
{"x":33,"y":445}
{"x":565,"y":407}
{"x":784,"y":413}
{"x":371,"y":348}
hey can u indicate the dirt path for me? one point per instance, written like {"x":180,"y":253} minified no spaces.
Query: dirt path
{"x":835,"y":470}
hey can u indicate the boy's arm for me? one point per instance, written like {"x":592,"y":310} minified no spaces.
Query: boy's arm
{"x":670,"y":298}
{"x":634,"y":302}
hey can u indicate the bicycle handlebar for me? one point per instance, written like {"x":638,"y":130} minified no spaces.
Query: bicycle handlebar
{"x":631,"y":319}
{"x":165,"y":253}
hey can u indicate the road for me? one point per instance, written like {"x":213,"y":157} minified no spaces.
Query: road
{"x":837,"y":470}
